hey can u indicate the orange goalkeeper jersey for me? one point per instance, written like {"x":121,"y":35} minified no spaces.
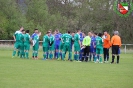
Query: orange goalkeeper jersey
{"x":106,"y":41}
{"x":116,"y":40}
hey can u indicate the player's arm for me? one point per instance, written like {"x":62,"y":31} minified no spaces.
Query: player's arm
{"x":84,"y":41}
{"x":62,"y":39}
{"x":112,"y":39}
{"x":89,"y":40}
{"x":14,"y":37}
{"x":52,"y":41}
{"x":79,"y":43}
{"x":33,"y":42}
{"x":120,"y":43}
{"x":39,"y":34}
{"x":108,"y":38}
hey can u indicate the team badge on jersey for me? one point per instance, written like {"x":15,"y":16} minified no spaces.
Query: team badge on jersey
{"x":123,"y":8}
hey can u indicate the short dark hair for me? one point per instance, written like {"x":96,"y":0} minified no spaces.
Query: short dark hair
{"x":35,"y":29}
{"x":105,"y":31}
{"x":68,"y":32}
{"x":78,"y":29}
{"x":95,"y":33}
{"x":57,"y":30}
{"x":100,"y":34}
{"x":48,"y":32}
{"x":27,"y":31}
{"x":23,"y":30}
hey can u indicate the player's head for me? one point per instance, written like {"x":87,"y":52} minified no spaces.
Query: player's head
{"x":36,"y":31}
{"x":90,"y":34}
{"x":100,"y":34}
{"x":116,"y":33}
{"x":83,"y":34}
{"x":105,"y":32}
{"x":78,"y":30}
{"x":68,"y":32}
{"x":48,"y":33}
{"x":95,"y":34}
{"x":56,"y":31}
{"x":27,"y":31}
{"x":73,"y":33}
{"x":21,"y":29}
{"x":50,"y":30}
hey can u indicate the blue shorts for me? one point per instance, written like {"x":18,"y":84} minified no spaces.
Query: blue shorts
{"x":92,"y":50}
{"x":57,"y":46}
{"x":82,"y":50}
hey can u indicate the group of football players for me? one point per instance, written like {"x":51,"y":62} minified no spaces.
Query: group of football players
{"x":55,"y":45}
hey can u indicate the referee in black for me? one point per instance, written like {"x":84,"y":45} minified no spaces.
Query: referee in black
{"x":86,"y":44}
{"x":116,"y":44}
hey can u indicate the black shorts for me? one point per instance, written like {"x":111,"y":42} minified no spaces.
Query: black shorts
{"x":86,"y":50}
{"x":115,"y":49}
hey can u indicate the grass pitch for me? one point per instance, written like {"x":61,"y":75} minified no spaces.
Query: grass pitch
{"x":28,"y":73}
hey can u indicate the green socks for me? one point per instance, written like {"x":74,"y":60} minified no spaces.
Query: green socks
{"x":14,"y":53}
{"x":18,"y":53}
{"x":27,"y":54}
{"x":44,"y":56}
{"x":100,"y":59}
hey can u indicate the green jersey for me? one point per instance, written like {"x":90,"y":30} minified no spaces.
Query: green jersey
{"x":51,"y":39}
{"x":99,"y":42}
{"x":26,"y":38}
{"x":67,"y":38}
{"x":21,"y":38}
{"x":36,"y":40}
{"x":76,"y":38}
{"x":45,"y":41}
{"x":17,"y":35}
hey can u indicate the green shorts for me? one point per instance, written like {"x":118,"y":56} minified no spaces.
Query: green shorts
{"x":17,"y":45}
{"x":51,"y":48}
{"x":61,"y":47}
{"x":26,"y":46}
{"x":66,"y":48}
{"x":22,"y":46}
{"x":35,"y":47}
{"x":76,"y":47}
{"x":45,"y":49}
{"x":99,"y":50}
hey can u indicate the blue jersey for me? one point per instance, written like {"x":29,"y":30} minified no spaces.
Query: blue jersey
{"x":93,"y":41}
{"x":81,"y":37}
{"x":58,"y":38}
{"x":33,"y":35}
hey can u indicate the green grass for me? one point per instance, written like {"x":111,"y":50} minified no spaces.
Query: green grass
{"x":28,"y":73}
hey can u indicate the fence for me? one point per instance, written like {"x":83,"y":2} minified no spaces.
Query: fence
{"x":11,"y":42}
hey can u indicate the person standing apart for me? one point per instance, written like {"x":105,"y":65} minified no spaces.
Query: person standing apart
{"x":116,"y":44}
{"x":86,"y":44}
{"x":106,"y":46}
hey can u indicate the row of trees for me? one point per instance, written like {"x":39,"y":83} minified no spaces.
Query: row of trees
{"x":89,"y":15}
